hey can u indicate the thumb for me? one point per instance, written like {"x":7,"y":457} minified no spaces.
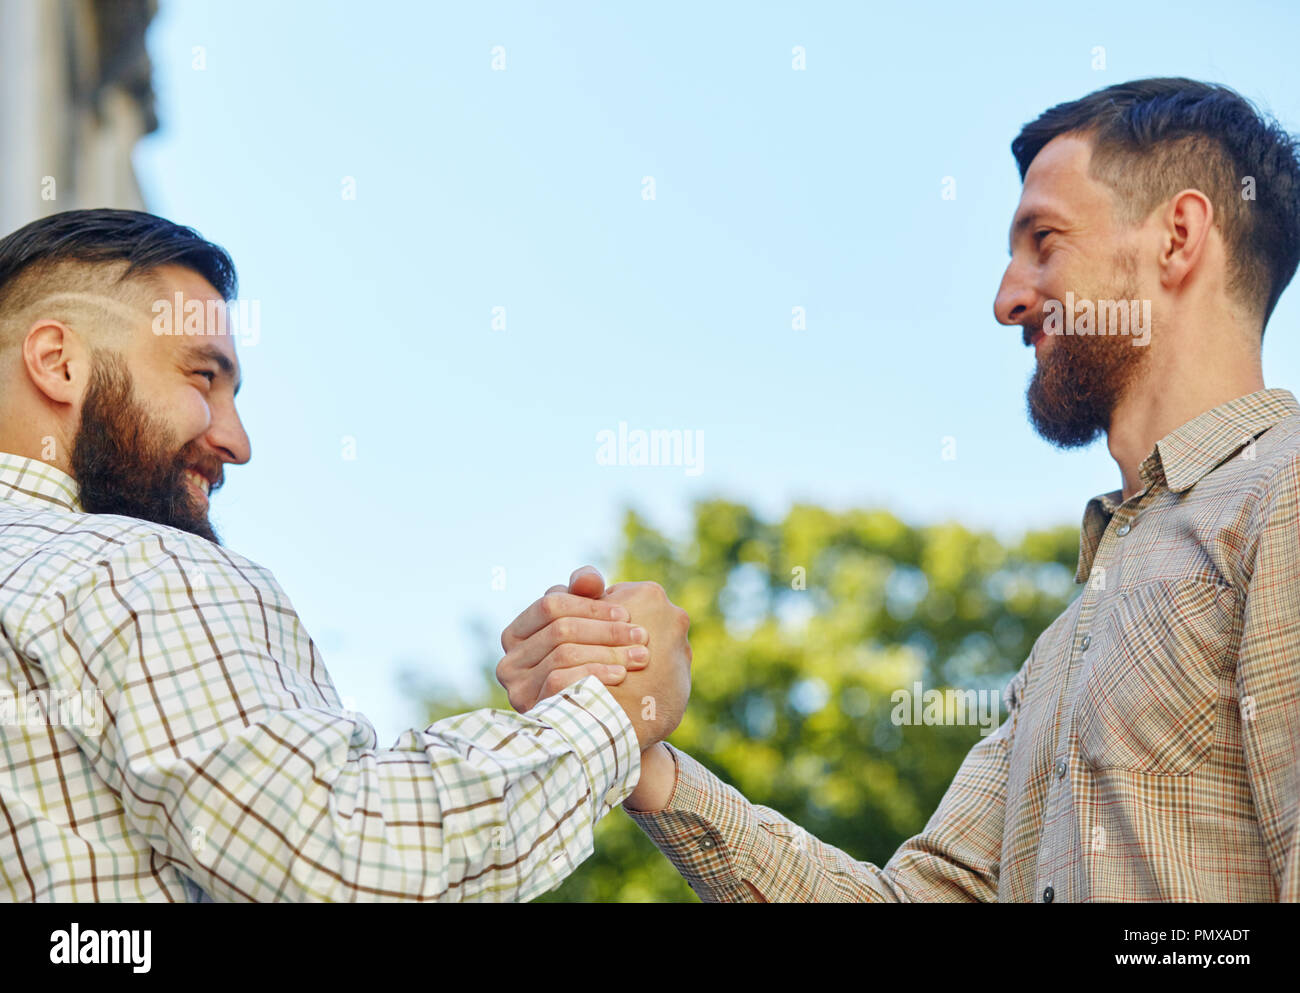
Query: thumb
{"x":587,"y":582}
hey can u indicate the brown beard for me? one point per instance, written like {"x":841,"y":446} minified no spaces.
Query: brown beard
{"x":1081,"y":378}
{"x":123,"y":462}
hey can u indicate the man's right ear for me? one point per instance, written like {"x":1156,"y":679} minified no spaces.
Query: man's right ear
{"x":56,"y":361}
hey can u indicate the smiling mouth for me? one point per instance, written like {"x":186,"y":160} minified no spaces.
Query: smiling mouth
{"x":198,"y":483}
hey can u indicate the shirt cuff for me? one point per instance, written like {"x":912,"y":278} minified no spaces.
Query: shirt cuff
{"x":598,"y":729}
{"x":704,"y":831}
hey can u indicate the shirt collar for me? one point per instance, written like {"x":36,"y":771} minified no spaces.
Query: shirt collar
{"x":37,"y":484}
{"x":1185,"y":455}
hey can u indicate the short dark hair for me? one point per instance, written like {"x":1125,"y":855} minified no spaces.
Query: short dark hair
{"x":1154,"y":137}
{"x":143,"y":241}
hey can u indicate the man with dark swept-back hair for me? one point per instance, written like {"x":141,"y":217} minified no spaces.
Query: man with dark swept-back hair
{"x":1147,"y":142}
{"x":1153,"y":137}
{"x":1151,"y":749}
{"x":172,"y":730}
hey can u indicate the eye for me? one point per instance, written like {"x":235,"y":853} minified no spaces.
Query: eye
{"x":1040,"y":234}
{"x":212,"y":376}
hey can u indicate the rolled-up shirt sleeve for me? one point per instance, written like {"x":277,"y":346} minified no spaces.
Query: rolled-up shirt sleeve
{"x":225,"y":742}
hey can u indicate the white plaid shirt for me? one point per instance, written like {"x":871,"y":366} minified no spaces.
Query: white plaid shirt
{"x":168,"y":732}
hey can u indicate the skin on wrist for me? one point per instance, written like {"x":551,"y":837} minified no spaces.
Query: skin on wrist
{"x":658,"y":778}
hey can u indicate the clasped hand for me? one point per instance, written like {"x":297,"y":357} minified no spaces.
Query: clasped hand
{"x":631,"y":636}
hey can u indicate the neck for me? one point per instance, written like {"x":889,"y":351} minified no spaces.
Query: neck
{"x":1190,"y":378}
{"x":46,"y":443}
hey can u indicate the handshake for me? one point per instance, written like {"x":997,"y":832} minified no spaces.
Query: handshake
{"x":586,"y":630}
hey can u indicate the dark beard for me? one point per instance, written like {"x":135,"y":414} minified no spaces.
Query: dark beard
{"x":122,"y":461}
{"x":1081,"y":379}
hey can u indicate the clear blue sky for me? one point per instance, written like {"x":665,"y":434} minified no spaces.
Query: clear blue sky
{"x":476,"y":448}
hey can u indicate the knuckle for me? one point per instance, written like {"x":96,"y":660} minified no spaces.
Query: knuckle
{"x":553,"y":683}
{"x":565,"y":655}
{"x":550,"y":605}
{"x":563,"y":629}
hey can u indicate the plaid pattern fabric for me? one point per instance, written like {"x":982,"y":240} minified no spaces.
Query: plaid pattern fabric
{"x":168,"y":732}
{"x":1152,"y":737}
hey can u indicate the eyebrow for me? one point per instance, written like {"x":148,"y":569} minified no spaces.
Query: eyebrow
{"x":199,"y":353}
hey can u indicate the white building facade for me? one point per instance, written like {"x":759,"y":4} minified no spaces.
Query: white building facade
{"x":75,"y":97}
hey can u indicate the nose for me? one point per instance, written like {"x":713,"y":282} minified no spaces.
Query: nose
{"x":1016,"y":300}
{"x":226,"y":434}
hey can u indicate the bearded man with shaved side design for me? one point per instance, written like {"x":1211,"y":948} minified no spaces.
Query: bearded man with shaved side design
{"x":168,"y":729}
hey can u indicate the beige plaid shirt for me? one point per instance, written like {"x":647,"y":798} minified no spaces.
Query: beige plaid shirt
{"x":168,"y":732}
{"x":1152,"y":738}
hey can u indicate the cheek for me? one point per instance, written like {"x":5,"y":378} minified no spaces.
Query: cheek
{"x":189,"y":414}
{"x":1058,"y":275}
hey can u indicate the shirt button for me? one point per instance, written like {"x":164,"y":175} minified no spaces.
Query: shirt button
{"x":706,"y":843}
{"x":1122,"y":530}
{"x":1060,"y":768}
{"x":1048,"y":894}
{"x":1087,"y":640}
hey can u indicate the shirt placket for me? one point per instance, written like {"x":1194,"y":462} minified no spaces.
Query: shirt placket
{"x":1064,"y":832}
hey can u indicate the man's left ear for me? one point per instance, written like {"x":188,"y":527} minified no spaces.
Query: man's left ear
{"x":1185,"y":236}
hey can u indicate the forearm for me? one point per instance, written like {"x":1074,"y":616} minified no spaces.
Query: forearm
{"x":487,"y":805}
{"x":730,"y":850}
{"x":658,"y":779}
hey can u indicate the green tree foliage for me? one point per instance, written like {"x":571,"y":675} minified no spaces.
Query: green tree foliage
{"x":802,"y":630}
